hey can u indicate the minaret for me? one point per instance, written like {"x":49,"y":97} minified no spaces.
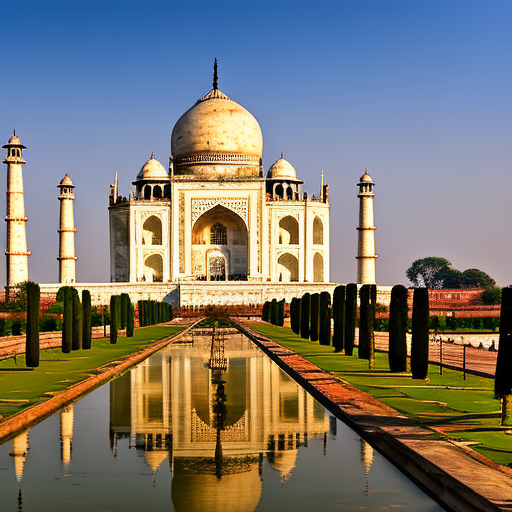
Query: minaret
{"x":366,"y":238}
{"x":66,"y":434}
{"x":16,"y":241}
{"x":67,"y":232}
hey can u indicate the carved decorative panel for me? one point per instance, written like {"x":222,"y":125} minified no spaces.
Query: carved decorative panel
{"x":239,"y":206}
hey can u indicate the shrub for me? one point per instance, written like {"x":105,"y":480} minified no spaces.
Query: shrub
{"x":16,"y":328}
{"x":47,"y":324}
{"x":325,"y":319}
{"x":397,"y":353}
{"x":314,"y":316}
{"x":32,"y":337}
{"x":350,"y":317}
{"x":338,"y":315}
{"x":305,"y":305}
{"x":419,"y":347}
{"x":434,"y":323}
{"x":503,"y":375}
{"x":491,"y":296}
{"x":87,"y":320}
{"x":2,"y":326}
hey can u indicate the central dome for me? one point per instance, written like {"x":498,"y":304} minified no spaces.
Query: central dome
{"x":218,"y":137}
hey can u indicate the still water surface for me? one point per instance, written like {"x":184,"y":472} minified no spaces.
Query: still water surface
{"x":196,"y":427}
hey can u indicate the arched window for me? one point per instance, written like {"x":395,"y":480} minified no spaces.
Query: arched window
{"x":157,"y":192}
{"x":153,"y":269}
{"x":18,"y":151}
{"x":288,"y":231}
{"x":289,"y":193}
{"x":318,"y":232}
{"x":279,"y":191}
{"x":147,"y":192}
{"x":318,"y":268}
{"x":166,"y":190}
{"x":218,"y":234}
{"x":288,"y":267}
{"x":152,"y":231}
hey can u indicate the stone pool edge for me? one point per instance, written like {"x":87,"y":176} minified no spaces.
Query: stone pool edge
{"x":443,"y":470}
{"x":33,"y":415}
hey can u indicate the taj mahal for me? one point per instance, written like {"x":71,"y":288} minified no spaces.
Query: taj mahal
{"x":210,"y":226}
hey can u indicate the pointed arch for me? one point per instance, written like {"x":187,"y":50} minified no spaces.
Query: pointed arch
{"x":153,"y":269}
{"x":318,"y":231}
{"x":288,"y":268}
{"x":152,"y":231}
{"x":318,"y":268}
{"x":288,"y":231}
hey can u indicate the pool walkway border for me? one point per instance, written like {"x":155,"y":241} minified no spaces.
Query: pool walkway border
{"x":26,"y":419}
{"x":456,"y":476}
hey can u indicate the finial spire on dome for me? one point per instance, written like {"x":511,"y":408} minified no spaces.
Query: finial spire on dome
{"x":15,"y":132}
{"x":152,"y":154}
{"x":215,"y":76}
{"x":282,"y":154}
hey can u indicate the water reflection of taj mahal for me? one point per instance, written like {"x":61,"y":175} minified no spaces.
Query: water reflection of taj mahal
{"x":167,"y":408}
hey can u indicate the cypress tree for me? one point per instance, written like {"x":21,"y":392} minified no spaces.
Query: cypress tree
{"x":67,"y":321}
{"x":141,"y":315}
{"x":86,"y":322}
{"x":364,"y":304}
{"x":350,"y":317}
{"x":77,"y":324}
{"x":171,"y":312}
{"x":338,"y":314}
{"x":305,"y":304}
{"x":129,"y":320}
{"x":295,"y":315}
{"x":419,"y":346}
{"x":503,"y":374}
{"x":125,"y":300}
{"x":281,"y":312}
{"x":325,"y":319}
{"x":314,"y":316}
{"x":114,"y":319}
{"x":32,"y":335}
{"x":397,"y":352}
{"x":273,"y":312}
{"x":371,"y":324}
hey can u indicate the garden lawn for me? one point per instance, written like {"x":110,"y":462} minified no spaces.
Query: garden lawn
{"x":463,"y":410}
{"x":22,"y":387}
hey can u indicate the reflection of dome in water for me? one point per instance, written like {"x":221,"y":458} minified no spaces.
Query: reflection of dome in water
{"x":237,"y":492}
{"x":154,"y":459}
{"x":284,"y":462}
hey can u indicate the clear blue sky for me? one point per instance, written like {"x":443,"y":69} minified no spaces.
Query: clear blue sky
{"x":420,"y":92}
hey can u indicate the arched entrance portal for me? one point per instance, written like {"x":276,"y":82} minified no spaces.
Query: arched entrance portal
{"x":219,"y":246}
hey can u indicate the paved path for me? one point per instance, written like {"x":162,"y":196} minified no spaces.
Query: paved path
{"x":456,"y":476}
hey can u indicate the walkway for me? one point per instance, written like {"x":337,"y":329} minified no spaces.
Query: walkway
{"x":445,"y":470}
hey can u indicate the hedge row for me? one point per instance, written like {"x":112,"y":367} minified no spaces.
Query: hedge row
{"x":273,"y":312}
{"x":152,"y":312}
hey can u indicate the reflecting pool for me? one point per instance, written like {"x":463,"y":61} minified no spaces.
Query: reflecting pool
{"x":208,"y":424}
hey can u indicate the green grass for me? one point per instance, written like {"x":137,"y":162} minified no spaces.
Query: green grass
{"x":21,"y":387}
{"x":464,"y":410}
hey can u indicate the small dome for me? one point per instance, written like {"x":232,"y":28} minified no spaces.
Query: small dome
{"x":15,"y":140}
{"x":153,"y":170}
{"x":66,"y":182}
{"x":282,"y":169}
{"x":366,"y":177}
{"x":284,"y":462}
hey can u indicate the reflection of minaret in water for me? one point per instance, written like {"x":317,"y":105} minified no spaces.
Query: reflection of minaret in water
{"x":66,"y":434}
{"x":367,"y":460}
{"x":19,"y":453}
